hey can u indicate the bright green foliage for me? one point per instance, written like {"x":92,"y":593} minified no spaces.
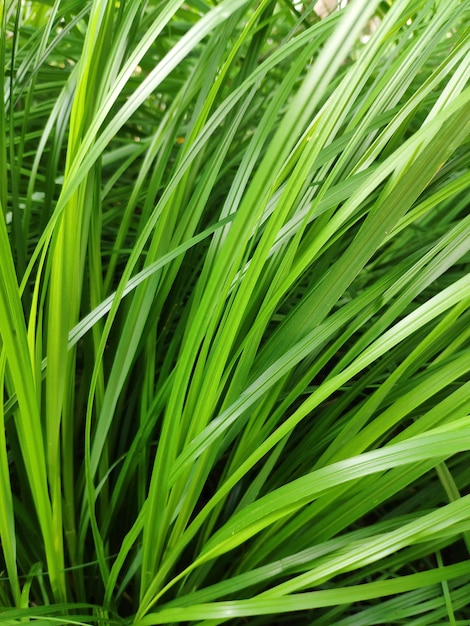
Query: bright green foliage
{"x":235,"y":312}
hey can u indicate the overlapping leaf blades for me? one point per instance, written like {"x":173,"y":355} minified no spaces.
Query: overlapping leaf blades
{"x":234,"y":306}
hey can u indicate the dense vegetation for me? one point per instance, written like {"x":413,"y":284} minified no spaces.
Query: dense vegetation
{"x":235,"y":312}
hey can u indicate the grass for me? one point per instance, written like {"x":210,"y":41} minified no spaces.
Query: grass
{"x":234,"y":313}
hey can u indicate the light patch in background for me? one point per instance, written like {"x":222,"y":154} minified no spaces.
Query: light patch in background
{"x":372,"y":26}
{"x":323,"y":8}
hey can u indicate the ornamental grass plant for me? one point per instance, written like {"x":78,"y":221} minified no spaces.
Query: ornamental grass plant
{"x":235,"y":312}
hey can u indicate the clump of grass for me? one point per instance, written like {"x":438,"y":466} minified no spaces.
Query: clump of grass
{"x":234,"y":312}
